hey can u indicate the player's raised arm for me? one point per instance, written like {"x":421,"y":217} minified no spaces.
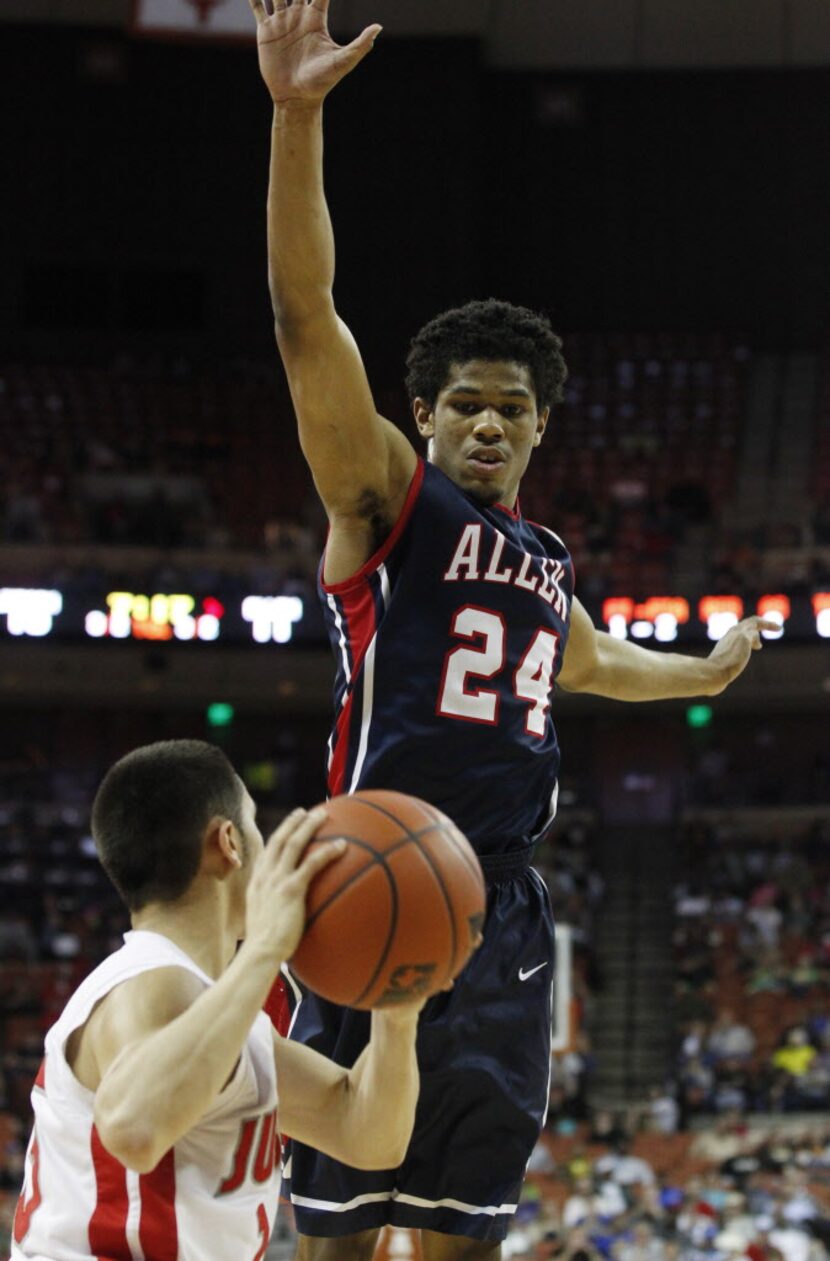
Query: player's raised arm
{"x":596,"y":662}
{"x":361,"y":463}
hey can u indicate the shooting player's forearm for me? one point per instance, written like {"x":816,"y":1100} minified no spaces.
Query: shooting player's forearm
{"x":383,"y":1091}
{"x":300,"y":238}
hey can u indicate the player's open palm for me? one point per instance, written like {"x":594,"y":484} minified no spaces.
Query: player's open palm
{"x":275,"y":910}
{"x":299,"y":60}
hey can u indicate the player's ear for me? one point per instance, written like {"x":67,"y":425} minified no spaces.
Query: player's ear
{"x":225,"y":844}
{"x":424,"y":417}
{"x":541,"y":425}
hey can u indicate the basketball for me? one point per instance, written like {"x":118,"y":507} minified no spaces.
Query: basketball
{"x":397,"y":916}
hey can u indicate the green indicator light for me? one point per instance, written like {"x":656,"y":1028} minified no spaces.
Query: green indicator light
{"x":699,"y":715}
{"x":220,"y":714}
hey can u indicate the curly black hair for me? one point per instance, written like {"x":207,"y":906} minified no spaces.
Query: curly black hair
{"x":488,"y":329}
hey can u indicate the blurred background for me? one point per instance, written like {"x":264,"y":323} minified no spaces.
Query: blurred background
{"x":656,"y":178}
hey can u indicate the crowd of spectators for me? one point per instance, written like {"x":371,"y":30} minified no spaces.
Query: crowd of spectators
{"x":620,"y":1190}
{"x":752,"y":943}
{"x":168,"y":452}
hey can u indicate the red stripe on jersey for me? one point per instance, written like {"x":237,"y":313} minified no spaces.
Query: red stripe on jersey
{"x":40,"y":1080}
{"x":276,"y":1007}
{"x":359,"y":624}
{"x":337,"y":769}
{"x":157,"y":1230}
{"x":108,"y":1224}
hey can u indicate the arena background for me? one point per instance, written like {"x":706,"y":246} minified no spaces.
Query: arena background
{"x":657,"y":180}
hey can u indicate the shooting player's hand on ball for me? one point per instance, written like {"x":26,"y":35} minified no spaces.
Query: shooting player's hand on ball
{"x":276,"y":897}
{"x":298,"y":58}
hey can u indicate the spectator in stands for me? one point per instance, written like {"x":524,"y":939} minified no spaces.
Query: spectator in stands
{"x":624,"y":1168}
{"x":697,"y":1082}
{"x":607,"y":1128}
{"x":729,"y":1042}
{"x":640,"y":1244}
{"x":796,"y":1053}
{"x":662,"y":1114}
{"x":721,"y":1142}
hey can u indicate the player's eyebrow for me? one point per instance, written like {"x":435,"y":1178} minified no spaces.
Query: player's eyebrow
{"x":518,"y":391}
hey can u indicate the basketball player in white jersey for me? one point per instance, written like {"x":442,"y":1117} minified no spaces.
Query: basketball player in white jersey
{"x":155,"y":1135}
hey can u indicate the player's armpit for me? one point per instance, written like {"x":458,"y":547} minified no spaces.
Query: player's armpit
{"x":130,"y":1012}
{"x":356,"y":457}
{"x":581,"y":660}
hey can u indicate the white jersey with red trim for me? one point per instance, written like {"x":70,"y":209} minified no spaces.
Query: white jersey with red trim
{"x":213,"y":1197}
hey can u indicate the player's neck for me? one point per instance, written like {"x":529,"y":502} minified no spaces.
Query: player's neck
{"x":203,"y":928}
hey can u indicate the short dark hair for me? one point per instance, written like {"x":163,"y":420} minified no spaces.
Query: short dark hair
{"x":490,"y":330}
{"x":150,"y":813}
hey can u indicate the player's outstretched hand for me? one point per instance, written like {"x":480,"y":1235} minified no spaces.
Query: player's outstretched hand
{"x":731,"y":654}
{"x":298,"y":58}
{"x":275,"y":910}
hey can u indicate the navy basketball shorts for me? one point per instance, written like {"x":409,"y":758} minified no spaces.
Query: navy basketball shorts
{"x":484,"y":1058}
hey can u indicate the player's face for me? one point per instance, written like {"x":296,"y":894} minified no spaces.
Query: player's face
{"x":252,"y":842}
{"x":483,"y":427}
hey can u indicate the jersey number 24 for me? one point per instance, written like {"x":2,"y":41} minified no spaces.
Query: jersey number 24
{"x":483,"y":657}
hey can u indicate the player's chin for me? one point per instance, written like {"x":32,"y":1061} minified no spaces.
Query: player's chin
{"x":485,"y":490}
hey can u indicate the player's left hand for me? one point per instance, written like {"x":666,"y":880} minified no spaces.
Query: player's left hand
{"x":730,"y":655}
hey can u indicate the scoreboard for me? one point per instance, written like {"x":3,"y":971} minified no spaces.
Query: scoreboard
{"x":195,"y":617}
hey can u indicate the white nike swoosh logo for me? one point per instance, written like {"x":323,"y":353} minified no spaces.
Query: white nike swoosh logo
{"x":524,"y":975}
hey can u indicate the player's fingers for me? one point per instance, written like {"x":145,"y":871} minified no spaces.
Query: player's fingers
{"x":278,"y":838}
{"x":320,"y":858}
{"x":358,"y":48}
{"x":292,"y":849}
{"x":259,"y":11}
{"x":298,"y":821}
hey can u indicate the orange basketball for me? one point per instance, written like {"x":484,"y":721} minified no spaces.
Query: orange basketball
{"x":397,"y":916}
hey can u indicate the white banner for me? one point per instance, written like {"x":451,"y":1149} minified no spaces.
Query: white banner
{"x":199,"y":19}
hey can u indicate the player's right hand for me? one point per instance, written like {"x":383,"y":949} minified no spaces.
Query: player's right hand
{"x":298,"y":58}
{"x":275,"y":909}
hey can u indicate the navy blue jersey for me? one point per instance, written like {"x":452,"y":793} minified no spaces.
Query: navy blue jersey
{"x":448,"y":641}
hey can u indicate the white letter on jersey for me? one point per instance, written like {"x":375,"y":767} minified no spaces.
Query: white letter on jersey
{"x":466,"y":556}
{"x":550,"y":590}
{"x":522,"y":578}
{"x":494,"y":574}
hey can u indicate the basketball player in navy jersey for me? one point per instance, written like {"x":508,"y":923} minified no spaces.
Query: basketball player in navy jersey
{"x":450,"y":616}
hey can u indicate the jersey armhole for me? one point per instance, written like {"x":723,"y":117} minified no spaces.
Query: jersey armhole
{"x":376,"y":560}
{"x":58,"y":1049}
